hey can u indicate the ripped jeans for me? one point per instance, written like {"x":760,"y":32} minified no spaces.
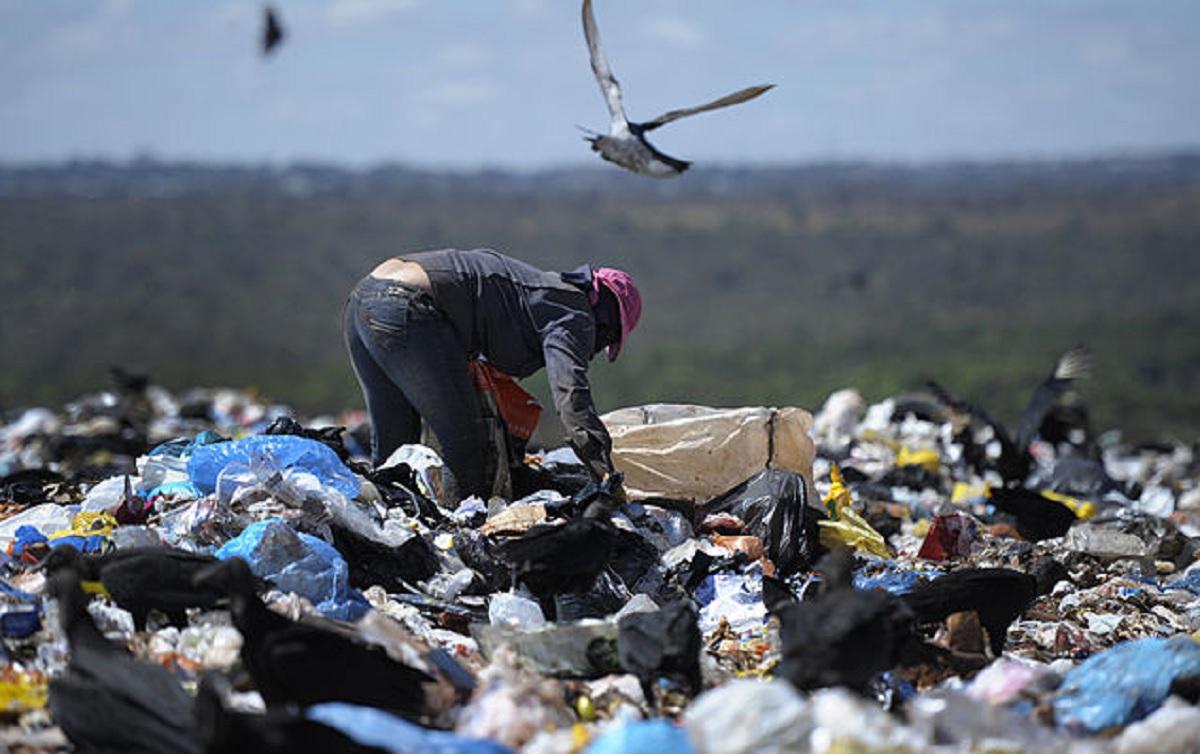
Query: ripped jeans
{"x":411,"y":364}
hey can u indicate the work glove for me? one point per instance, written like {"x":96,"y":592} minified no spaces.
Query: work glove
{"x":612,"y":486}
{"x":603,"y":497}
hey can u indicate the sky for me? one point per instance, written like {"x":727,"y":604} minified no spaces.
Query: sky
{"x":506,"y":83}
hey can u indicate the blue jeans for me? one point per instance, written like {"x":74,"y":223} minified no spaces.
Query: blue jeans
{"x":411,"y":364}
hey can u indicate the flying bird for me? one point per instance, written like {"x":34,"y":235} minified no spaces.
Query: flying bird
{"x":272,"y":35}
{"x":626,"y":144}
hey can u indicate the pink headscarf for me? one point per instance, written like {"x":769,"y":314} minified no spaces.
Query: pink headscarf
{"x":628,"y":299}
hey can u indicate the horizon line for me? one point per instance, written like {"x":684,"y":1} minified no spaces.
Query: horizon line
{"x":353,"y":166}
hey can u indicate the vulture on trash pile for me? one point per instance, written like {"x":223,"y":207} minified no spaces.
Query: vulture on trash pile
{"x":279,"y":731}
{"x":305,"y":664}
{"x":141,"y":579}
{"x":998,"y":595}
{"x":1038,"y":517}
{"x":625,"y":144}
{"x":107,"y":701}
{"x":1015,"y":462}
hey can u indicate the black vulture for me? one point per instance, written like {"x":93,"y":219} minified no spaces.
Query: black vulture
{"x":1038,"y":517}
{"x":1014,"y":462}
{"x":305,"y":664}
{"x":279,"y":731}
{"x":141,"y":579}
{"x":107,"y":701}
{"x":998,"y":595}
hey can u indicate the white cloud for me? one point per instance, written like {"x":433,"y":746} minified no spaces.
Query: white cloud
{"x":674,"y":32}
{"x":361,"y":12}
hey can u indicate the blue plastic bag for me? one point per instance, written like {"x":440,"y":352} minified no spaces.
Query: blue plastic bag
{"x":1124,"y":684}
{"x":891,"y":579}
{"x":374,"y":727}
{"x":296,"y":562}
{"x":282,"y":451}
{"x":642,"y":737}
{"x":20,"y":612}
{"x":1189,"y":581}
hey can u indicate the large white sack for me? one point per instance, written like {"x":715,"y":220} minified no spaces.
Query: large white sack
{"x":694,"y":453}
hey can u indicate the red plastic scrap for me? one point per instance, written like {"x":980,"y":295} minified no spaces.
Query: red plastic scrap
{"x":950,"y":536}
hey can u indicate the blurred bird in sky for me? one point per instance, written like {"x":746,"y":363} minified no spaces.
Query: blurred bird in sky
{"x":626,"y":144}
{"x":272,"y":35}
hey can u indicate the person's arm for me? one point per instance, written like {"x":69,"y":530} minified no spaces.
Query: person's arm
{"x":566,"y":348}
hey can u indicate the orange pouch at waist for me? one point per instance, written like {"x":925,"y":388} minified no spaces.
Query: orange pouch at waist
{"x":519,"y":410}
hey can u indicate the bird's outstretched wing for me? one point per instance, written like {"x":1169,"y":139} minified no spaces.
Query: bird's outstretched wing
{"x":1073,"y":365}
{"x":736,"y":98}
{"x":608,"y":84}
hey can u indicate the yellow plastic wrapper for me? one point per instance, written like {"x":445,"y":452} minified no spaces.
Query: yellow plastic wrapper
{"x":964,"y":493}
{"x":853,"y":531}
{"x":1084,"y":509}
{"x":839,"y":494}
{"x":879,"y":438}
{"x":847,"y":528}
{"x":923,"y":457}
{"x":580,"y":736}
{"x":21,"y":690}
{"x":88,"y":524}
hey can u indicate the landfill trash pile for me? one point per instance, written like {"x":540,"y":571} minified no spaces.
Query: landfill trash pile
{"x":204,"y":572}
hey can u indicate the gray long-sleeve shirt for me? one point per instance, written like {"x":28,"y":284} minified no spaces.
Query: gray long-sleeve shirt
{"x":521,"y":319}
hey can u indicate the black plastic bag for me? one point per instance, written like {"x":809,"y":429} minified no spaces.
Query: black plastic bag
{"x":602,"y":600}
{"x":374,"y":563}
{"x":773,"y":504}
{"x":329,"y":436}
{"x":666,"y":642}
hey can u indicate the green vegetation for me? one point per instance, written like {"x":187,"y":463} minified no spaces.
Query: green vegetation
{"x":762,"y":286}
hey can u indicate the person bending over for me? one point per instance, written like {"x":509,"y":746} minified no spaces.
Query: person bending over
{"x":414,"y":324}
